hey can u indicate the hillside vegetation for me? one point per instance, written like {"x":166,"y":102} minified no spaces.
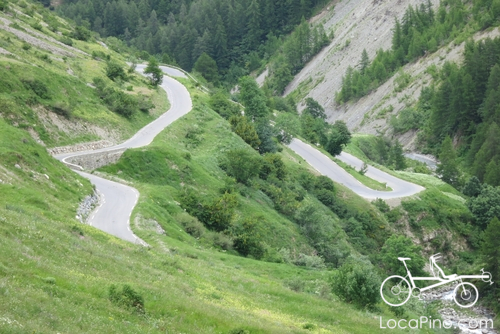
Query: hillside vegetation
{"x":243,"y":235}
{"x":47,"y":85}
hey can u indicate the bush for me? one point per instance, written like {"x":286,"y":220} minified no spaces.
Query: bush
{"x":221,"y":104}
{"x":37,"y":26}
{"x":381,"y":205}
{"x":38,"y":87}
{"x":66,"y":40}
{"x":309,"y":261}
{"x":191,"y":224}
{"x":62,"y":109}
{"x":247,"y":241}
{"x":3,"y":5}
{"x":356,"y":282}
{"x":241,"y":164}
{"x":126,"y":297}
{"x":81,"y":33}
{"x":114,"y":71}
{"x":221,"y":240}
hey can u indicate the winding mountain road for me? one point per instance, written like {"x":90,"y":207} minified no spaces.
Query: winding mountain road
{"x":118,"y":200}
{"x":327,"y":167}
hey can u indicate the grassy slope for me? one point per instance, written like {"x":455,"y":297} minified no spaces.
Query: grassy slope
{"x":55,"y":273}
{"x":440,"y":207}
{"x":24,"y":108}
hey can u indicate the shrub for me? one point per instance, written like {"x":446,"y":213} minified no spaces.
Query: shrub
{"x":66,"y":40}
{"x":126,"y":297}
{"x":38,"y":87}
{"x":381,"y":205}
{"x":326,"y":197}
{"x":115,"y":71}
{"x":37,"y":26}
{"x":81,"y":33}
{"x":62,"y":109}
{"x":296,"y":284}
{"x":191,"y":224}
{"x":221,"y":104}
{"x":401,"y":246}
{"x":324,"y":182}
{"x":356,"y":282}
{"x":309,"y":261}
{"x":241,"y":164}
{"x":221,"y":212}
{"x":273,"y":165}
{"x":221,"y":240}
{"x":144,"y":103}
{"x":247,"y":241}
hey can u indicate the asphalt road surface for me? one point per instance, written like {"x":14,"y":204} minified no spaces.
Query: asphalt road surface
{"x":118,"y":200}
{"x":327,"y":167}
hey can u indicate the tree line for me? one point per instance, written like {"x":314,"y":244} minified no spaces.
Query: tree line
{"x":235,"y":33}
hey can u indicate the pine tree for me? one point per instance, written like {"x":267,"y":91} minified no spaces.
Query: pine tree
{"x":488,"y":150}
{"x":246,"y":130}
{"x":492,"y":175}
{"x":365,"y":61}
{"x":448,"y":165}
{"x":397,"y":157}
{"x":254,"y":32}
{"x":207,"y":67}
{"x":252,"y":98}
{"x":490,"y":250}
{"x":473,"y":187}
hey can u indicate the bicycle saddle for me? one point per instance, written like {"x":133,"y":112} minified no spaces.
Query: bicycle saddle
{"x":403,"y":258}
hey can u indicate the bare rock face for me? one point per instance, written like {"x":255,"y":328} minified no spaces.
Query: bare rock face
{"x":368,"y":24}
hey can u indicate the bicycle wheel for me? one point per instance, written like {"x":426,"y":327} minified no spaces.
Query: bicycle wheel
{"x":465,"y":295}
{"x":395,"y":290}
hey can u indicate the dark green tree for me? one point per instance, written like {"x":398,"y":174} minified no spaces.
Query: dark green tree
{"x":252,"y":97}
{"x":339,"y":137}
{"x":286,"y":127}
{"x":207,"y":67}
{"x":154,"y":70}
{"x":223,"y":106}
{"x":448,"y":164}
{"x":401,"y":246}
{"x":365,"y":61}
{"x":473,"y":187}
{"x":221,"y":212}
{"x":242,"y":164}
{"x":246,"y":130}
{"x":265,"y":132}
{"x":397,"y":157}
{"x":486,"y":206}
{"x":490,"y":250}
{"x":247,"y":240}
{"x":314,"y":109}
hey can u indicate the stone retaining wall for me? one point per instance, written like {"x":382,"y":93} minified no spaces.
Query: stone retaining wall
{"x":93,"y":161}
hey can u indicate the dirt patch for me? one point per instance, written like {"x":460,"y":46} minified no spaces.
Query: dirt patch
{"x":4,"y":52}
{"x":54,"y":124}
{"x":37,"y":42}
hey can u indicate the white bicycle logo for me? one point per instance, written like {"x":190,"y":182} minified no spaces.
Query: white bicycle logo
{"x":396,"y":290}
